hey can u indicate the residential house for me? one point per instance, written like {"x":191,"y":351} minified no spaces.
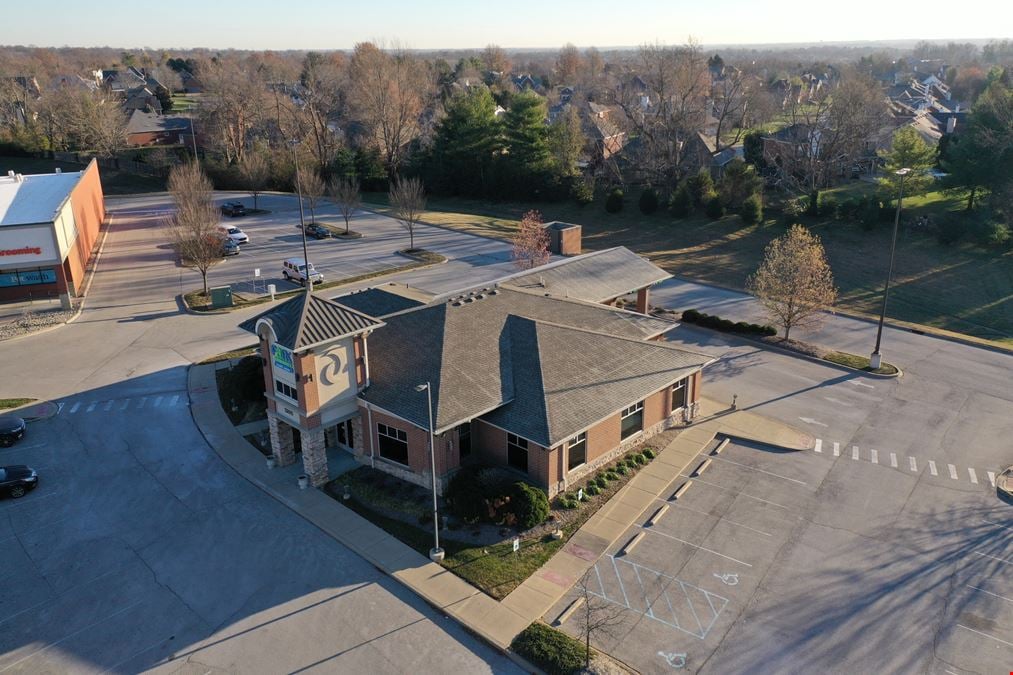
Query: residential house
{"x":143,"y":99}
{"x":145,"y":128}
{"x":701,"y":152}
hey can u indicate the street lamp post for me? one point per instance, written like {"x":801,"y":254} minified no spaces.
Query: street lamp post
{"x":302,"y":222}
{"x":876,"y":359}
{"x":436,"y":553}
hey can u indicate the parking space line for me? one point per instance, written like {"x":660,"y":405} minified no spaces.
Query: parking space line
{"x":932,"y":468}
{"x":874,"y":454}
{"x":837,"y":449}
{"x":643,"y":591}
{"x":1002,"y":560}
{"x":753,"y":468}
{"x":893,"y":459}
{"x":744,"y":494}
{"x":991,"y":477}
{"x":702,"y":548}
{"x":1008,"y":644}
{"x":1005,"y":527}
{"x":953,"y":471}
{"x":620,"y":580}
{"x":972,"y":475}
{"x":722,"y":518}
{"x":1001,"y":597}
{"x":913,"y":463}
{"x":854,"y":452}
{"x":819,"y":445}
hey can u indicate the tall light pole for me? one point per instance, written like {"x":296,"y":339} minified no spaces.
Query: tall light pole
{"x":302,"y":222}
{"x":876,"y":360}
{"x":436,"y":553}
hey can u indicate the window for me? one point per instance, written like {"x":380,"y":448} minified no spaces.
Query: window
{"x":393,"y":443}
{"x":576,"y":451}
{"x":632,"y":420}
{"x":679,"y":395}
{"x":464,"y":439}
{"x":30,"y":277}
{"x":517,"y":452}
{"x":286,"y":390}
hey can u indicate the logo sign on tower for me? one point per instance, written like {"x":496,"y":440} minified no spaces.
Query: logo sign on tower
{"x":282,"y":358}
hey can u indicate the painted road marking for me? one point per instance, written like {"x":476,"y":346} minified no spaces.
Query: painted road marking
{"x":142,"y":401}
{"x":702,"y":548}
{"x":991,"y":478}
{"x":998,"y":525}
{"x":681,"y":505}
{"x":1008,"y":644}
{"x":854,"y":452}
{"x":174,"y":400}
{"x":59,"y":408}
{"x":861,"y":384}
{"x":158,"y":401}
{"x":996,"y":595}
{"x":973,"y":475}
{"x":91,"y":407}
{"x":875,"y":456}
{"x":126,"y":404}
{"x":893,"y":459}
{"x":913,"y":463}
{"x":819,"y":445}
{"x":932,"y":468}
{"x":753,"y":468}
{"x":838,"y":401}
{"x":810,"y":420}
{"x":1002,"y":560}
{"x":744,"y":494}
{"x":109,"y":406}
{"x":73,"y":408}
{"x":837,"y":449}
{"x":953,"y":471}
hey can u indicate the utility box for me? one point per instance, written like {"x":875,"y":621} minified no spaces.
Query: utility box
{"x":564,"y":238}
{"x":221,"y":297}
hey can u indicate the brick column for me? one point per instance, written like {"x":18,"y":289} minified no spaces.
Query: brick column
{"x":282,"y":442}
{"x":314,"y":456}
{"x":643,"y":299}
{"x":358,"y":441}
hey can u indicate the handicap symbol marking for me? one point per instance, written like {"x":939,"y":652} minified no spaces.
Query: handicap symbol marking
{"x":728,"y":579}
{"x":676,"y":660}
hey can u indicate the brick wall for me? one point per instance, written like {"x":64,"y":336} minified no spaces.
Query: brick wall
{"x":418,"y":469}
{"x":309,"y":397}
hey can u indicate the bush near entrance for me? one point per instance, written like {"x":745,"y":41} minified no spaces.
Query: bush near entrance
{"x":551,"y":650}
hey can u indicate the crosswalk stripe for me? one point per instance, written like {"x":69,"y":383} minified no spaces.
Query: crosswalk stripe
{"x":73,"y":408}
{"x":109,"y":406}
{"x":140,"y":403}
{"x":854,"y":452}
{"x":974,"y":476}
{"x":158,"y":401}
{"x":893,"y":459}
{"x":991,"y":477}
{"x":819,"y":445}
{"x":91,"y":407}
{"x":837,"y":449}
{"x":932,"y":468}
{"x":913,"y":463}
{"x":126,"y":404}
{"x":875,"y":456}
{"x":953,"y":471}
{"x":174,"y":400}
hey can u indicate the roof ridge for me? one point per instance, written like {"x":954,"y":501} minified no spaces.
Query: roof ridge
{"x":589,"y":303}
{"x":648,"y":343}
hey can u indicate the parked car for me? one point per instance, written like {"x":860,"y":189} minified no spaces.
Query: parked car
{"x":317,"y":231}
{"x":12,"y":429}
{"x":295,"y":269}
{"x":233,"y":209}
{"x":17,"y":479}
{"x":234,"y":233}
{"x":229,"y":246}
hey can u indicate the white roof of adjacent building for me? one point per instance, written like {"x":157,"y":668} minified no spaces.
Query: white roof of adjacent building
{"x":26,"y":200}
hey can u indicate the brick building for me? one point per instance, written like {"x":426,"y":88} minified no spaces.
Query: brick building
{"x":550,"y":386}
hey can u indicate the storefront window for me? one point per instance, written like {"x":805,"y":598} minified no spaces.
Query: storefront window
{"x":29,"y":277}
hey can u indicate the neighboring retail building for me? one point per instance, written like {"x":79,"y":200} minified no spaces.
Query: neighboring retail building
{"x":549,"y":386}
{"x":49,"y":226}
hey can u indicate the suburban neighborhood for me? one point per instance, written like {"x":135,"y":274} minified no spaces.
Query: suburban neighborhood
{"x":322,"y":352}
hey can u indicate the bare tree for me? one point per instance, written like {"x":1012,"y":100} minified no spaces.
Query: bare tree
{"x":193,"y":228}
{"x":495,"y":59}
{"x":345,"y":191}
{"x":312,"y":187}
{"x":321,"y":101}
{"x":597,"y":616}
{"x":77,"y":119}
{"x":232,"y":109}
{"x":794,"y":282}
{"x":408,"y":199}
{"x":254,"y":171}
{"x":531,"y":243}
{"x":569,"y":63}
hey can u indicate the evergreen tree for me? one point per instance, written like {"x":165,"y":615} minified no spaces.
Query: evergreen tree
{"x":527,"y":145}
{"x":466,"y":145}
{"x":907,"y":151}
{"x":981,"y":158}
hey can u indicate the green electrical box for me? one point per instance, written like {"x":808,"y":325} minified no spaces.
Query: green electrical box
{"x":221,"y":297}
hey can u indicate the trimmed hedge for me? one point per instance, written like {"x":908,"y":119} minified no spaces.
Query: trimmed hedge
{"x":551,"y":650}
{"x":717,"y":323}
{"x":529,"y":505}
{"x":649,"y":453}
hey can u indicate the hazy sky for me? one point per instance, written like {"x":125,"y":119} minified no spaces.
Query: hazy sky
{"x":431,"y":24}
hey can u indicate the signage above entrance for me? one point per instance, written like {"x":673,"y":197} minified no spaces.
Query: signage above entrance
{"x":281,"y":358}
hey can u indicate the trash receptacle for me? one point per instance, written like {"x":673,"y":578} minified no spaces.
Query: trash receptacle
{"x":221,"y":297}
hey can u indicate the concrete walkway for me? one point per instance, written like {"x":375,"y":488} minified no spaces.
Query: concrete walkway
{"x":496,"y":622}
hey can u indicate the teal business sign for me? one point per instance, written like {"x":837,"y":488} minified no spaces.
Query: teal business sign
{"x":282,"y":358}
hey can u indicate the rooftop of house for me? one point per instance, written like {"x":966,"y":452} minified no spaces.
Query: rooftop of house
{"x":309,"y":320}
{"x":594,"y":277}
{"x":383,"y":300}
{"x":144,"y":122}
{"x":27,"y":200}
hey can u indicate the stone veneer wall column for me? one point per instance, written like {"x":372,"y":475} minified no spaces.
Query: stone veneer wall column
{"x":282,"y":440}
{"x":314,"y":455}
{"x":358,"y":441}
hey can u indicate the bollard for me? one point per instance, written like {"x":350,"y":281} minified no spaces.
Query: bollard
{"x":271,"y":289}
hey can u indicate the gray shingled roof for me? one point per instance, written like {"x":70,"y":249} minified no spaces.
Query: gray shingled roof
{"x":307,"y":320}
{"x":377,"y":302}
{"x":478,"y":356}
{"x":141,"y":122}
{"x":596,"y":277}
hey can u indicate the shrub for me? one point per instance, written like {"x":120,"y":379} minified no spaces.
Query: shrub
{"x":649,"y":453}
{"x":551,"y":650}
{"x":603,"y":479}
{"x":614,"y":202}
{"x":639,"y":458}
{"x":680,"y":204}
{"x":951,"y":230}
{"x":994,"y":233}
{"x":717,"y":323}
{"x":691,"y":316}
{"x":715,"y":207}
{"x":612,"y":475}
{"x":593,"y":489}
{"x":476,"y":493}
{"x":582,"y":192}
{"x":648,"y":201}
{"x":829,"y":206}
{"x":849,"y":209}
{"x":622,"y":469}
{"x":751,"y":210}
{"x":529,"y":505}
{"x":700,"y":186}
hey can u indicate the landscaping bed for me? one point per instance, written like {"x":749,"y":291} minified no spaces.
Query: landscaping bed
{"x":422,"y":255}
{"x":241,"y":390}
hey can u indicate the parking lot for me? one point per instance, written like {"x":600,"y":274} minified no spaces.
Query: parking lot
{"x":788,"y":562}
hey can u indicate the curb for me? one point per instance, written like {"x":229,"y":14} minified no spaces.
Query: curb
{"x":49,"y":409}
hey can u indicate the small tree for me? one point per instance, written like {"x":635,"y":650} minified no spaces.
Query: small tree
{"x":715,"y":207}
{"x":751,"y":210}
{"x":648,"y":201}
{"x":681,"y":202}
{"x":614,"y":202}
{"x":408,"y":199}
{"x":597,"y":615}
{"x":794,"y":281}
{"x":907,"y":151}
{"x":254,"y":172}
{"x":700,"y":186}
{"x":193,"y":228}
{"x":345,"y":191}
{"x":531,"y":243}
{"x":312,"y":187}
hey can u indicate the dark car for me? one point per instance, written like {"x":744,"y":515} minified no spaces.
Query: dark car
{"x":229,"y":247}
{"x":12,"y":428}
{"x":18,"y":479}
{"x":317,"y":231}
{"x":233,"y":209}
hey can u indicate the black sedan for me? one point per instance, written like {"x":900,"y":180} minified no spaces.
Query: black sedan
{"x":12,"y":429}
{"x":17,"y":479}
{"x":317,"y":231}
{"x":233,"y":209}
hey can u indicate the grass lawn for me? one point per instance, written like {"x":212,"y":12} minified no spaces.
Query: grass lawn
{"x":963,"y":287}
{"x":859,"y":362}
{"x":8,"y":403}
{"x":113,"y":182}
